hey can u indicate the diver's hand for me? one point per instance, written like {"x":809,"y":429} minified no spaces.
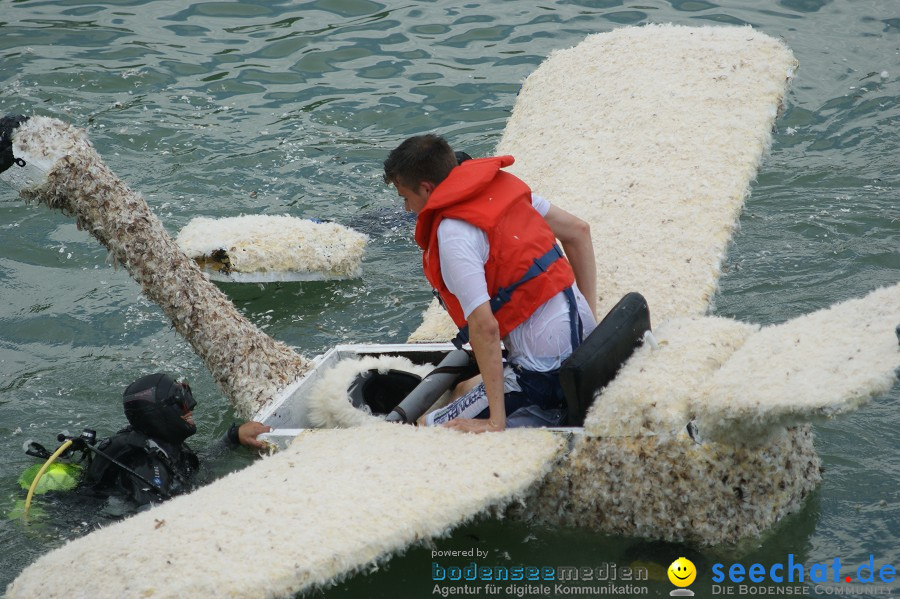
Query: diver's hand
{"x":248,"y":432}
{"x":475,"y":425}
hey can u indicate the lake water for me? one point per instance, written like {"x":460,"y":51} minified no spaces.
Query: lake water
{"x":224,"y":108}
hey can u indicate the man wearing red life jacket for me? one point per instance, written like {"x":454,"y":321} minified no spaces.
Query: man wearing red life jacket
{"x":489,"y":251}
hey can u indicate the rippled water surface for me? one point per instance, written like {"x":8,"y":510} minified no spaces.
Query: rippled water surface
{"x":224,"y":108}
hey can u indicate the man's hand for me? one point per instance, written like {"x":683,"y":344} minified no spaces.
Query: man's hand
{"x":248,"y":433}
{"x":473,"y":425}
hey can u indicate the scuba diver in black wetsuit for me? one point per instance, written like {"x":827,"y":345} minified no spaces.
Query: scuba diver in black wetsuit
{"x":148,"y":461}
{"x":157,"y":462}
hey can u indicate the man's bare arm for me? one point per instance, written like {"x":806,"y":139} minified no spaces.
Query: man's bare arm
{"x":484,"y":336}
{"x":575,"y":236}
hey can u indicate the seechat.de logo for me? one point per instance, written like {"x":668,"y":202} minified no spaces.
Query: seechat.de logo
{"x":792,"y":572}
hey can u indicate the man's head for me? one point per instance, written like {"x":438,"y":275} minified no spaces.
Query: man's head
{"x":417,"y":166}
{"x":160,"y":407}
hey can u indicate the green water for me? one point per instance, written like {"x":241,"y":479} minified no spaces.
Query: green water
{"x":223,"y":108}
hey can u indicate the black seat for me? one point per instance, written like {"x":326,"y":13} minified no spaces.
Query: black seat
{"x":597,"y":360}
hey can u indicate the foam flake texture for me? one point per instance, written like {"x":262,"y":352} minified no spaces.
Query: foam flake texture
{"x":263,"y":244}
{"x":330,"y":505}
{"x":329,"y":404}
{"x":815,"y":366}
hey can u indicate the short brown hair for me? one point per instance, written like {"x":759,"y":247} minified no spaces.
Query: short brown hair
{"x":421,"y":158}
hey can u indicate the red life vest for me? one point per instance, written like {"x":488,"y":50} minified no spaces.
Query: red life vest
{"x":499,"y":204}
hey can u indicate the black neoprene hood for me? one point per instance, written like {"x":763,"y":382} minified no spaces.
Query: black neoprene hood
{"x":154,"y":405}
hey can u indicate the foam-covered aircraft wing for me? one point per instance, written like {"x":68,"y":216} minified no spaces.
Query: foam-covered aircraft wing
{"x":660,"y":164}
{"x":652,"y":135}
{"x":815,"y":366}
{"x":328,"y":506}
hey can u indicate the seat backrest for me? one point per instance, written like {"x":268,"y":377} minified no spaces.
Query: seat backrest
{"x":597,"y":360}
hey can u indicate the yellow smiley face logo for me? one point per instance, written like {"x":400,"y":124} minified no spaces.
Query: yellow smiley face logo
{"x":682,"y":572}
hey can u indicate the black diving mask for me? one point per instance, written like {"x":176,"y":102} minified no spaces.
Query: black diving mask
{"x":181,"y":397}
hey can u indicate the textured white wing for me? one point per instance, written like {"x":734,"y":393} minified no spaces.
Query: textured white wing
{"x":817,"y":365}
{"x":333,"y":503}
{"x":653,"y":135}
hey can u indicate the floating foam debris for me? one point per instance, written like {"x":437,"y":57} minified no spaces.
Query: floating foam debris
{"x":262,"y":248}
